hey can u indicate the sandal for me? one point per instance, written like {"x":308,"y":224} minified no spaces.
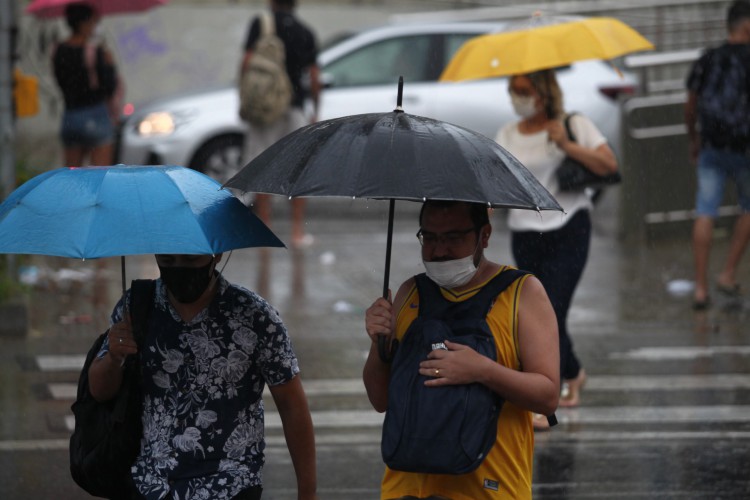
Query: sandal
{"x":570,"y":394}
{"x":702,"y":305}
{"x":732,"y":291}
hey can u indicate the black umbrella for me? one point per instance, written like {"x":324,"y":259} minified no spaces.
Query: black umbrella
{"x":393,"y":156}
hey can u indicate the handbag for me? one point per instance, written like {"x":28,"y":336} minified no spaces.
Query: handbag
{"x":573,"y":176}
{"x":106,"y":439}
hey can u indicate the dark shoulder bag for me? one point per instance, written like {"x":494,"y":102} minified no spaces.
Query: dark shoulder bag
{"x":107,"y":435}
{"x":573,"y":176}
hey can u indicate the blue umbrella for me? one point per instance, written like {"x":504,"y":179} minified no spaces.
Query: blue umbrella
{"x":93,"y":212}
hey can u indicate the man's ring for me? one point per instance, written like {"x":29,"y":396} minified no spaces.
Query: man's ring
{"x":437,"y":372}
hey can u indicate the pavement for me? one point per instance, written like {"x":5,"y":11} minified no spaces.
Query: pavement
{"x":665,"y":412}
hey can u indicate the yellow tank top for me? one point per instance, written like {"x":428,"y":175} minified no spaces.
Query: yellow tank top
{"x":506,"y":472}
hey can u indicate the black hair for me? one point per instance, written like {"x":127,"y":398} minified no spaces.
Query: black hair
{"x":477,"y":211}
{"x":738,"y":12}
{"x":77,"y":14}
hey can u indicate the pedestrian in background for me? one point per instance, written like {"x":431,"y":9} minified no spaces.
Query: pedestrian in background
{"x":87,"y":77}
{"x":526,"y":375}
{"x":717,"y":114}
{"x":554,"y":246}
{"x":209,"y":349}
{"x":301,"y":63}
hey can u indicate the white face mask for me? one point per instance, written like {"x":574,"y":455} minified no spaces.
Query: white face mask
{"x":524,"y":107}
{"x":451,"y":273}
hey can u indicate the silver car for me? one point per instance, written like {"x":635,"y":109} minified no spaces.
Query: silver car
{"x":360,"y":73}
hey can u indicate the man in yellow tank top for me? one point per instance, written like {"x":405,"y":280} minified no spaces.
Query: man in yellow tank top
{"x":526,"y":374}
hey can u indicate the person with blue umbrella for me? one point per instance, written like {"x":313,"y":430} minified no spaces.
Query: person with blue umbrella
{"x":205,"y":348}
{"x":210,"y":348}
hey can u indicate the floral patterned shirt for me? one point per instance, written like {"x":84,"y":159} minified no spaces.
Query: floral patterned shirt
{"x":203,"y":381}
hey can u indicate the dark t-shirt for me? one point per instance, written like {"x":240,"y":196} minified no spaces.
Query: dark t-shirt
{"x":300,"y":46}
{"x":721,"y":80}
{"x":72,"y":76}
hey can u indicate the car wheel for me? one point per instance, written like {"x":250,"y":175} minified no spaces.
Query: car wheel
{"x":220,"y":157}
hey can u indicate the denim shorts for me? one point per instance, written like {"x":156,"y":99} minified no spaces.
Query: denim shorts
{"x":714,"y":167}
{"x":87,"y":127}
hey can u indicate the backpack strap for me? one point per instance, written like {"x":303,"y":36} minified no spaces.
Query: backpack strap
{"x":432,"y":303}
{"x":568,"y":129}
{"x":267,"y":24}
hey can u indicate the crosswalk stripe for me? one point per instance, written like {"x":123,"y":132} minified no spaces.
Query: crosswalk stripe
{"x":60,"y":390}
{"x":338,"y":419}
{"x":74,"y":362}
{"x":372,"y":438}
{"x":680,"y":352}
{"x":60,"y":362}
{"x":354,"y":387}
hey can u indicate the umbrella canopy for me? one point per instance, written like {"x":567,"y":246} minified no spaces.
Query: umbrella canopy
{"x":56,"y":8}
{"x":94,"y":212}
{"x":544,"y":42}
{"x":393,"y":156}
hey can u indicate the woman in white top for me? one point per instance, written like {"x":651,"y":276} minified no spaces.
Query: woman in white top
{"x":554,"y":246}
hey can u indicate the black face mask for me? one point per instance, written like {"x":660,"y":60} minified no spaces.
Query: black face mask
{"x":186,"y":284}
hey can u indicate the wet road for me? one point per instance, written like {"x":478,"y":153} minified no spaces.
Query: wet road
{"x":665,"y":413}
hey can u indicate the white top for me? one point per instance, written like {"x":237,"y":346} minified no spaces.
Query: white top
{"x":542,"y":157}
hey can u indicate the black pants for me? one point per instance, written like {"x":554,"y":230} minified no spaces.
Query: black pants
{"x":557,"y":258}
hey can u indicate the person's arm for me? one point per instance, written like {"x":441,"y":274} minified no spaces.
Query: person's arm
{"x":106,"y":70}
{"x":314,"y":71}
{"x":691,"y":120}
{"x":291,"y":403}
{"x":380,"y":319}
{"x":105,"y":373}
{"x":535,"y":388}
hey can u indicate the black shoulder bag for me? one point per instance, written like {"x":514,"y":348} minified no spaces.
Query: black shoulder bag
{"x":107,"y":435}
{"x":573,"y":176}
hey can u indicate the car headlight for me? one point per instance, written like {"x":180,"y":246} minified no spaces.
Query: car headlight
{"x":159,"y":123}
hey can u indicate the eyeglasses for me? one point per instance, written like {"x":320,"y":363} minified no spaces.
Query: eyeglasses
{"x":451,"y":238}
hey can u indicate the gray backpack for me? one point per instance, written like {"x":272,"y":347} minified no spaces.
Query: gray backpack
{"x":265,"y":88}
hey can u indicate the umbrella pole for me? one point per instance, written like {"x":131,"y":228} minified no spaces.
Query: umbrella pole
{"x":386,"y":352}
{"x":122,"y":271}
{"x":389,"y":243}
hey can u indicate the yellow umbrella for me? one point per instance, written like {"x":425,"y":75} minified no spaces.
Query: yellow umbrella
{"x":542,"y":44}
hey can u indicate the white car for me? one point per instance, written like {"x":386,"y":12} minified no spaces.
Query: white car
{"x":360,"y":74}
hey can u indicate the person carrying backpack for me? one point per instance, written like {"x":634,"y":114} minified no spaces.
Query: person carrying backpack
{"x":272,"y":101}
{"x":520,"y":368}
{"x":716,"y":115}
{"x":206,"y":352}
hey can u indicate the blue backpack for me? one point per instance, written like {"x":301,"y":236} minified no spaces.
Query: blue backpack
{"x":449,"y":429}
